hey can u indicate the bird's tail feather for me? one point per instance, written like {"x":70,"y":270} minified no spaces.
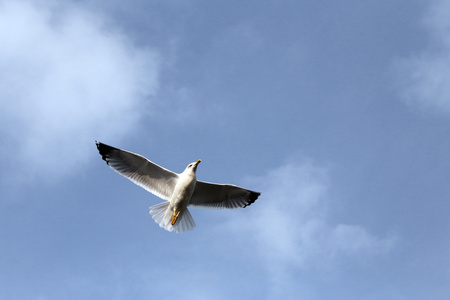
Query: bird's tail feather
{"x":185,"y":223}
{"x":158,"y":213}
{"x":162,"y":215}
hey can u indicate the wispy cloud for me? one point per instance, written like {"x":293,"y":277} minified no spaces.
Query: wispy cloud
{"x":67,"y":77}
{"x":424,"y":78}
{"x":290,"y":229}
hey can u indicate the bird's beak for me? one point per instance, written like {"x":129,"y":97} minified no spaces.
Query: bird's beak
{"x":197,"y":162}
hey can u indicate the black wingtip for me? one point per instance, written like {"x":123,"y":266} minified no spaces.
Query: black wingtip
{"x":252,"y":198}
{"x":104,"y":150}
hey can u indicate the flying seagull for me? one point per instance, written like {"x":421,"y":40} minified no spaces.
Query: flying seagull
{"x":179,"y":190}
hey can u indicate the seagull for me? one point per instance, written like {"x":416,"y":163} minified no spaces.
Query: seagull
{"x":179,"y":190}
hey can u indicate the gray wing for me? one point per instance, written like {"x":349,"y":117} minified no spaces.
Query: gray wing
{"x":211,"y":195}
{"x":155,"y":179}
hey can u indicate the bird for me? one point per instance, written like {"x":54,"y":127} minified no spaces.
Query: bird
{"x":180,"y":191}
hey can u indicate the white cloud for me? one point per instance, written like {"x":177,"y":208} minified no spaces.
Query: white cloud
{"x":68,"y":77}
{"x":424,"y":78}
{"x":290,"y":231}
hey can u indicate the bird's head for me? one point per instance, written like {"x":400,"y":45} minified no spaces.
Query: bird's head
{"x":193,"y":166}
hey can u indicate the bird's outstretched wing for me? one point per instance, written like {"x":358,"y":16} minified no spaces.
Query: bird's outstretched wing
{"x":211,"y":195}
{"x":155,"y":179}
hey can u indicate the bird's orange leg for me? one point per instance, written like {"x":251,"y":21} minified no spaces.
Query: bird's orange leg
{"x":175,"y":216}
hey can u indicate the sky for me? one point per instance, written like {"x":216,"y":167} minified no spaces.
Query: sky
{"x":338,"y":112}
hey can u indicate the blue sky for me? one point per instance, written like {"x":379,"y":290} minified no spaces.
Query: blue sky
{"x":338,"y":112}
